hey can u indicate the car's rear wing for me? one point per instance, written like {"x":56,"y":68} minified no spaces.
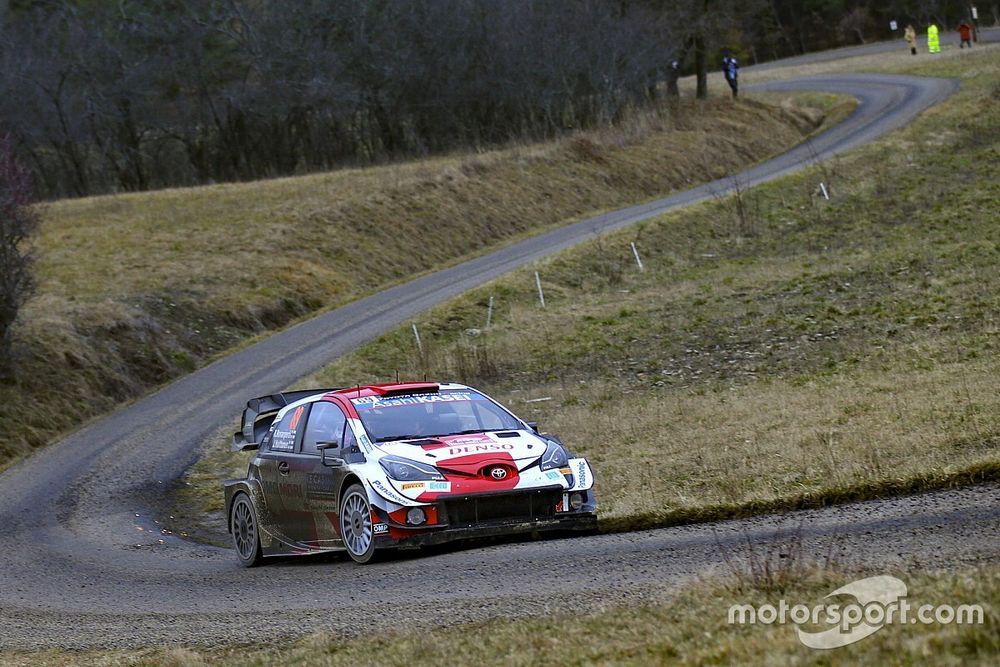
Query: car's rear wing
{"x":260,"y":413}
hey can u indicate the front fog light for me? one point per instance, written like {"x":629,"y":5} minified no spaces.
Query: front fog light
{"x":576,"y":501}
{"x":416,"y":516}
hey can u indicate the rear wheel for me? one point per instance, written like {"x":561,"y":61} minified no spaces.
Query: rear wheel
{"x":246,"y":534}
{"x":356,"y":524}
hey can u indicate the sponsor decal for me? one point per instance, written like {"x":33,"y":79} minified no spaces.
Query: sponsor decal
{"x":282,"y":489}
{"x":283,"y":441}
{"x":366,"y":443}
{"x":408,"y":486}
{"x":469,"y":440}
{"x":368,"y":402}
{"x":566,"y":471}
{"x":581,"y":474}
{"x":554,"y":475}
{"x":386,"y":492}
{"x":297,"y":417}
{"x":440,"y":487}
{"x":475,"y":449}
{"x":498,"y":473}
{"x":380,"y":528}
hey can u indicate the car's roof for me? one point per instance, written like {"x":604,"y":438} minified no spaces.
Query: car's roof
{"x":361,"y":391}
{"x":396,"y":389}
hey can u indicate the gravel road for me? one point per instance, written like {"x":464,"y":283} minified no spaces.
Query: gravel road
{"x":86,"y":566}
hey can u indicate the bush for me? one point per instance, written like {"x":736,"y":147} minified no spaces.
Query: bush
{"x":17,"y":222}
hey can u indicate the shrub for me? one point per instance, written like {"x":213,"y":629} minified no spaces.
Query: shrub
{"x":18,"y":221}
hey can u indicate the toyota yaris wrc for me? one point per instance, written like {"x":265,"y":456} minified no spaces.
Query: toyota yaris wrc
{"x":396,"y":465}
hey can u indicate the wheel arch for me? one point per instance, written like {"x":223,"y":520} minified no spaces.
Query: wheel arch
{"x":349,"y":480}
{"x":235,"y":487}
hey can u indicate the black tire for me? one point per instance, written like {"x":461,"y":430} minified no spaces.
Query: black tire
{"x":356,"y":527}
{"x":245,"y":531}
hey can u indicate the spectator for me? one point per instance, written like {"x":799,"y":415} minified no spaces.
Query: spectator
{"x":965,"y":34}
{"x":911,"y":38}
{"x":731,"y":68}
{"x":933,"y":39}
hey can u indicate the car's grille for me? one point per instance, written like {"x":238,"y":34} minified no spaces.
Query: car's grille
{"x":522,"y":506}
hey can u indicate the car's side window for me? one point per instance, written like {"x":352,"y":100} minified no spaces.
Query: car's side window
{"x":289,"y":430}
{"x":349,"y":439}
{"x":326,"y":424}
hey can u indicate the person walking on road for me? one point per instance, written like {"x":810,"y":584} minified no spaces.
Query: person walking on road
{"x":911,"y":38}
{"x":965,"y":34}
{"x":731,"y":68}
{"x":933,"y":39}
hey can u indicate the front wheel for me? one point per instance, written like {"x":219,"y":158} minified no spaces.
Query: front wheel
{"x":356,"y":524}
{"x":246,"y":535}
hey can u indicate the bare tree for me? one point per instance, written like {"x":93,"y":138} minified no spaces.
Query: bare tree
{"x":17,"y":222}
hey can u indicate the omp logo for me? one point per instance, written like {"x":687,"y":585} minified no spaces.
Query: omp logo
{"x":878,"y":601}
{"x":380,"y":528}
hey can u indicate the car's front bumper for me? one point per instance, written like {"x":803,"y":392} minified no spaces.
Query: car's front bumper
{"x":400,"y":536}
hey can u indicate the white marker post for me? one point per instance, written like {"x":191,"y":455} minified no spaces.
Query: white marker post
{"x":541,"y":294}
{"x":489,"y":313}
{"x":826,"y":195}
{"x":635,"y":253}
{"x":416,"y":334}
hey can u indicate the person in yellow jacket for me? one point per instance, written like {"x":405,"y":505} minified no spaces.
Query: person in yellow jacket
{"x":911,"y":38}
{"x":933,"y":39}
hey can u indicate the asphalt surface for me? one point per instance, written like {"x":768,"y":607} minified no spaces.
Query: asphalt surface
{"x":84,"y":564}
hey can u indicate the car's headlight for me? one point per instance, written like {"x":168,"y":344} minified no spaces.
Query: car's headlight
{"x":405,"y":470}
{"x":554,"y":456}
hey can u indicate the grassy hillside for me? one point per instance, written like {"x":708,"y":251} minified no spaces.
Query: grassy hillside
{"x":136,"y":289}
{"x":779,"y":350}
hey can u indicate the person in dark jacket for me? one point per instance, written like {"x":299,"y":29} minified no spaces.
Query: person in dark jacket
{"x":731,"y":68}
{"x":965,"y":34}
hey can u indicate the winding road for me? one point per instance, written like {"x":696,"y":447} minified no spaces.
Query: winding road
{"x":85,"y":566}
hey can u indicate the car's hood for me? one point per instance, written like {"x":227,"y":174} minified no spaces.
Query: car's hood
{"x":471,"y":451}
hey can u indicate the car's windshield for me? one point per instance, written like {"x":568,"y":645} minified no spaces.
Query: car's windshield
{"x":428,"y":415}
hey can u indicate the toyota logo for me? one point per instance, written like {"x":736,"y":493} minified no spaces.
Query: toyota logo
{"x":499,"y":473}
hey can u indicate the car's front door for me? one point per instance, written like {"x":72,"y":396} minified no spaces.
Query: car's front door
{"x":319,"y":482}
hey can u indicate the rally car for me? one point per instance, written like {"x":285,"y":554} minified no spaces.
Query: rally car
{"x":396,"y":465}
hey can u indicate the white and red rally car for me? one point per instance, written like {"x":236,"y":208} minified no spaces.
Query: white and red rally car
{"x":391,"y":465}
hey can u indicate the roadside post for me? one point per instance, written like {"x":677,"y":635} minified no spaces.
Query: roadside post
{"x":974,"y":13}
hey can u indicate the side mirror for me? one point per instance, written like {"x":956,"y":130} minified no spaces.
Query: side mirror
{"x":533,"y":426}
{"x":333,"y":462}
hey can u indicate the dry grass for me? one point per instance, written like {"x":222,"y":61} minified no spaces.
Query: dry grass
{"x":690,"y":628}
{"x":836,"y":350}
{"x":137,"y":289}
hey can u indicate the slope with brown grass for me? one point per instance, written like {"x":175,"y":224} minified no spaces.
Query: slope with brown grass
{"x":136,"y":289}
